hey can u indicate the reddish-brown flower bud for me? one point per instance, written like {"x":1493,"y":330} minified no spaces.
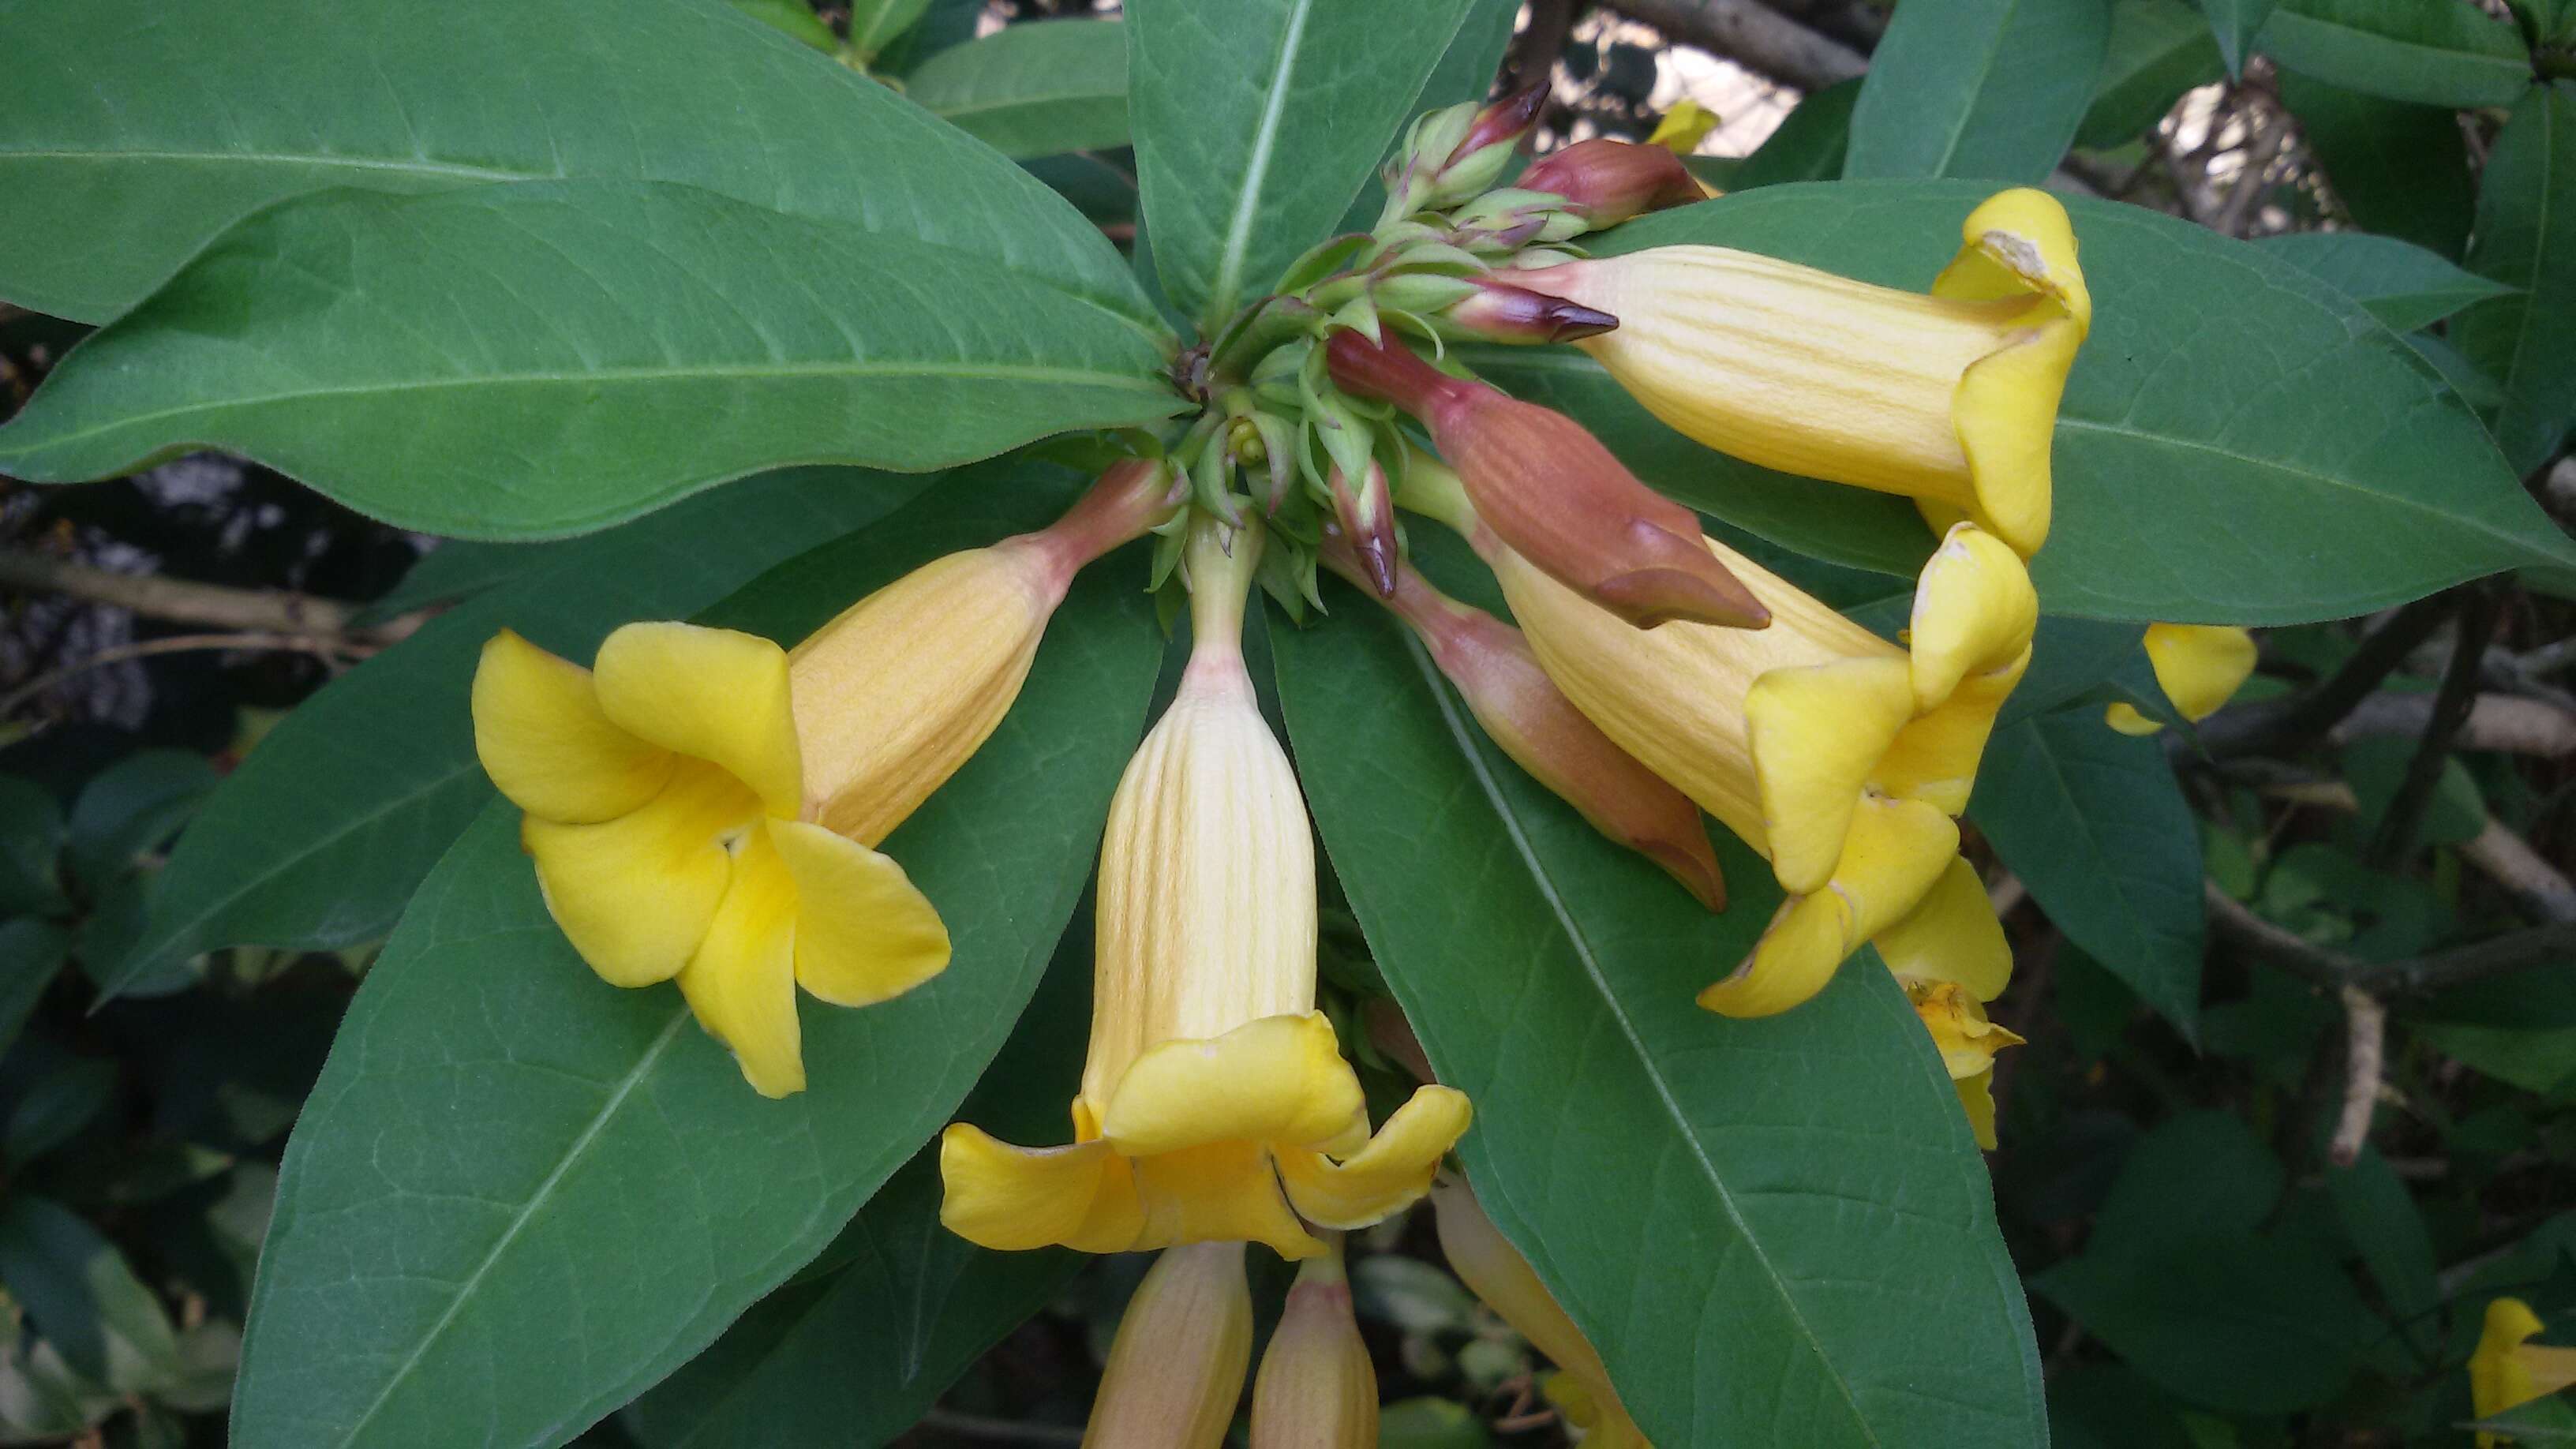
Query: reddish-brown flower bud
{"x":1534,"y":723}
{"x":1500,"y":312}
{"x":1502,"y":123}
{"x":1551,"y":491}
{"x":1366,"y":515}
{"x":1607,"y":181}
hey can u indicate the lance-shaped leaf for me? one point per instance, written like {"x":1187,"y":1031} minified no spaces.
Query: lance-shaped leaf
{"x":315,"y":842}
{"x":2526,"y":239}
{"x":1984,"y":88}
{"x":127,"y":141}
{"x":518,"y":1195}
{"x":2398,"y":169}
{"x":2234,"y":24}
{"x":2401,"y":284}
{"x":2438,"y":54}
{"x":1032,"y":90}
{"x":546,"y":358}
{"x":2094,"y":824}
{"x":2239,"y":442}
{"x":1774,"y":1231}
{"x":2159,"y":49}
{"x":1256,"y":123}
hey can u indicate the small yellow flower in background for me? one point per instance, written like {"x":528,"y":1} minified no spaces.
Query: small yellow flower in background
{"x":1214,"y":1097}
{"x":1683,"y":127}
{"x":1176,"y":1367}
{"x":1496,"y":1272}
{"x":1951,"y":957}
{"x":1950,"y":399}
{"x":2198,"y":666}
{"x":2506,"y":1369}
{"x":1840,"y":756}
{"x":1316,"y":1389}
{"x":704,"y":805}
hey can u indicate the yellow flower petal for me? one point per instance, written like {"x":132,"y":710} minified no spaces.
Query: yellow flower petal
{"x":1977,"y":1099}
{"x":1278,"y":1079}
{"x":1951,"y":936}
{"x":2126,"y":719}
{"x":1683,"y":127}
{"x":1012,"y":1199}
{"x":1218,"y":1192}
{"x":1974,"y":612}
{"x":864,"y":932}
{"x":1966,"y":1039}
{"x":635,"y":894}
{"x":2199,"y":666}
{"x":1895,"y":852}
{"x":2017,"y":242}
{"x":544,"y":741}
{"x":742,"y":981}
{"x":1388,"y":1175}
{"x":1816,"y":733}
{"x":713,"y":694}
{"x":2006,"y":414}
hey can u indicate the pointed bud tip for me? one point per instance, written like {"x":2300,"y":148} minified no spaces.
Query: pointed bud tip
{"x":1696,"y":870}
{"x":1505,"y":120}
{"x":1572,"y":321}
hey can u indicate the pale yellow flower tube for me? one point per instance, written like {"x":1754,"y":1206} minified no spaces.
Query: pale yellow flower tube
{"x":1496,"y":1273}
{"x":1841,"y":757}
{"x":1316,"y":1389}
{"x":1176,"y":1368}
{"x":1215,"y":1101}
{"x":1950,"y":399}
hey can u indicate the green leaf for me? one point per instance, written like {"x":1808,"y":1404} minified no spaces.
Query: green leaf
{"x":2526,"y":239}
{"x":1991,"y":89}
{"x":2431,"y":52}
{"x":2234,"y":24}
{"x":2475,"y":388}
{"x":31,"y":838}
{"x":1032,"y":90}
{"x":462,"y":363}
{"x":2542,"y":1421}
{"x":2377,"y":769}
{"x":2094,"y":824}
{"x":876,"y":24}
{"x":315,"y":842}
{"x":2401,"y":284}
{"x":2159,"y":49}
{"x":794,"y":19}
{"x":134,"y":806}
{"x":55,"y":1107}
{"x":125,"y":145}
{"x":2239,"y":443}
{"x":1256,"y":123}
{"x":518,"y":1195}
{"x":857,"y":1346}
{"x":31,"y":951}
{"x":1756,"y":1222}
{"x":2381,"y":1218}
{"x":82,"y":1295}
{"x":1809,"y":144}
{"x":2397,"y":168}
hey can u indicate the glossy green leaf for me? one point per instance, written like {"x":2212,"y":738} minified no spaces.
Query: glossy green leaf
{"x":545,"y":359}
{"x":877,"y":24}
{"x":2385,"y":1225}
{"x":2432,"y":52}
{"x":31,"y":951}
{"x":31,"y":840}
{"x":2234,"y":24}
{"x":858,"y":1345}
{"x":1032,"y":90}
{"x":315,"y":842}
{"x":80,"y":1293}
{"x":794,"y":19}
{"x":2465,"y":377}
{"x":2239,"y":442}
{"x":1256,"y":123}
{"x":2158,"y":50}
{"x":125,"y":142}
{"x":1771,"y":1229}
{"x":2094,"y":824}
{"x":2399,"y":169}
{"x":1810,"y":143}
{"x":518,"y":1195}
{"x":1465,"y":73}
{"x":2401,"y":284}
{"x":2526,"y":239}
{"x":134,"y":806}
{"x":1990,"y":89}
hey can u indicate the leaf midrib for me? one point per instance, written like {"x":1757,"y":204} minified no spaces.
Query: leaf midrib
{"x":418,"y":165}
{"x":1464,"y":736}
{"x":545,"y":1190}
{"x":1985,"y":68}
{"x":997,"y":372}
{"x":1256,"y":170}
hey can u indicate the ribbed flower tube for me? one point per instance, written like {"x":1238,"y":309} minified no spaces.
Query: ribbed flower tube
{"x":1316,"y":1389}
{"x":1950,"y":399}
{"x":1496,"y":1273}
{"x":1175,"y":1369}
{"x":1215,"y":1102}
{"x":1843,"y":758}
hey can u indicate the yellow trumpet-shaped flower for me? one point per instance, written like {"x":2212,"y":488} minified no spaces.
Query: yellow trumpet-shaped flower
{"x":1215,"y":1096}
{"x":1950,"y":399}
{"x":1176,"y":1368}
{"x":1496,"y":1272}
{"x":1950,"y":955}
{"x":2198,"y":666}
{"x":1316,"y":1389}
{"x":1840,"y":756}
{"x":2506,"y":1369}
{"x":704,"y":804}
{"x":1683,"y":127}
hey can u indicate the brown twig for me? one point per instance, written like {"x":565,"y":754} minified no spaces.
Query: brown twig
{"x":2268,"y":725}
{"x":2503,"y":722}
{"x":2334,"y":971}
{"x":2405,"y":814}
{"x":2365,"y":1039}
{"x":214,"y":606}
{"x":327,"y":649}
{"x":1755,"y":36}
